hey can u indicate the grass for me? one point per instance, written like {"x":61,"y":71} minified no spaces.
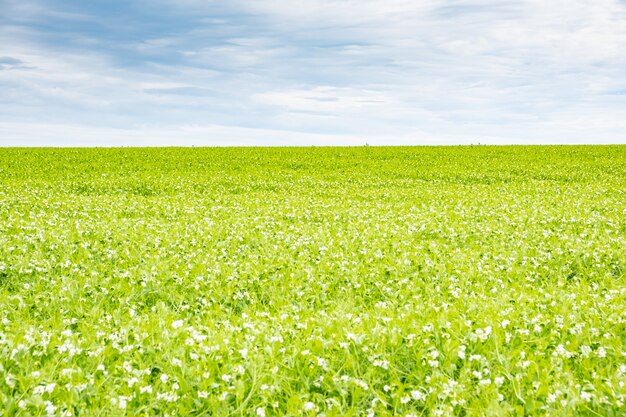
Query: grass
{"x":443,"y":281}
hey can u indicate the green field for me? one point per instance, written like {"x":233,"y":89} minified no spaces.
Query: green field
{"x":417,"y":281}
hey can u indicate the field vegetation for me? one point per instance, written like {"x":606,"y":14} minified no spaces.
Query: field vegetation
{"x":364,"y":281}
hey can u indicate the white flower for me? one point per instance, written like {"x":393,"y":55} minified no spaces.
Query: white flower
{"x":309,"y":406}
{"x":177,"y":324}
{"x":381,"y":363}
{"x":585,"y":351}
{"x":169,"y":397}
{"x":203,"y":394}
{"x":164,"y":378}
{"x":360,"y":383}
{"x":499,"y":380}
{"x":50,"y":408}
{"x":561,"y":351}
{"x":483,"y":334}
{"x":122,"y":403}
{"x":461,"y":352}
{"x":260,"y":412}
{"x":418,"y":395}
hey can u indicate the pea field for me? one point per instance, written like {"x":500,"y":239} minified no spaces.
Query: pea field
{"x":362,"y":281}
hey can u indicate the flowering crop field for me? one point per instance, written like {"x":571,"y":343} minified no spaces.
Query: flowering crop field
{"x":365,"y":281}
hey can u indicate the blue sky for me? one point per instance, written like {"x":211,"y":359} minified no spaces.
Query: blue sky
{"x":311,"y":72}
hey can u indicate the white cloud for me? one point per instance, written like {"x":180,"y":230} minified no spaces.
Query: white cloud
{"x":396,"y":71}
{"x":35,"y":134}
{"x":325,"y":99}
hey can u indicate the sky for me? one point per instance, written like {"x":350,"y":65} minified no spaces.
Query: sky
{"x":311,"y":72}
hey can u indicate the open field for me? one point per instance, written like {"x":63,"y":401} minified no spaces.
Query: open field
{"x":313,"y":281}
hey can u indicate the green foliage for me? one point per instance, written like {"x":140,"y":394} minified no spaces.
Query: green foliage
{"x":463,"y":281}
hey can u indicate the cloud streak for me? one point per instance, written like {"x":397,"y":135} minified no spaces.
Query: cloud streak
{"x":313,"y":72}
